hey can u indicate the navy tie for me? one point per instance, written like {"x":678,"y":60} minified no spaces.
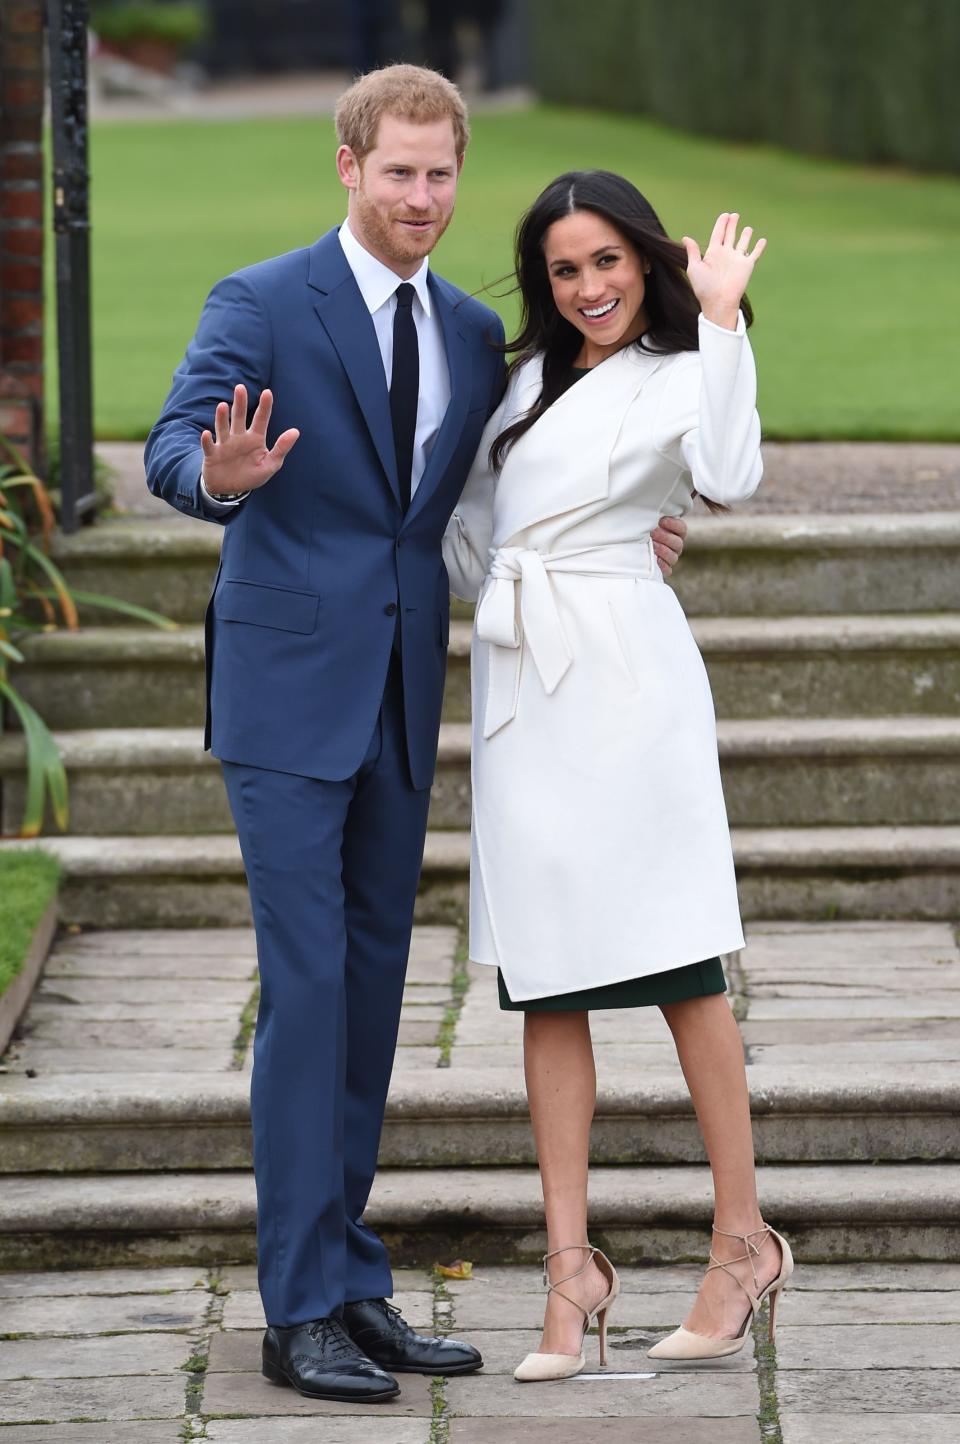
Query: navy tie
{"x":404,"y":387}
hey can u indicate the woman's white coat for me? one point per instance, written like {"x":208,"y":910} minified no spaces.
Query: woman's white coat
{"x":600,"y":845}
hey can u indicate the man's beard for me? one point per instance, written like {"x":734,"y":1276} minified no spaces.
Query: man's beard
{"x":390,"y":239}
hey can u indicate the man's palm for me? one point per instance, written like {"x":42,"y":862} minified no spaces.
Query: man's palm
{"x":237,"y":457}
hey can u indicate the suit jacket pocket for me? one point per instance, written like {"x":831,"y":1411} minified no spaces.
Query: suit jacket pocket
{"x":264,"y":606}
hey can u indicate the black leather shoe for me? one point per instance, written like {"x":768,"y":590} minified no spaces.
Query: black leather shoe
{"x":383,"y":1334}
{"x":321,"y":1361}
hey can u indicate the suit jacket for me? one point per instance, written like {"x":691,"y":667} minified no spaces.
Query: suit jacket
{"x":320,"y":565}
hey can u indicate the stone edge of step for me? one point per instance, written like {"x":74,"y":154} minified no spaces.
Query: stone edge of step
{"x":797,"y":849}
{"x":801,"y":632}
{"x":147,"y":543}
{"x":418,"y":1199}
{"x":463,"y":1094}
{"x":739,"y":739}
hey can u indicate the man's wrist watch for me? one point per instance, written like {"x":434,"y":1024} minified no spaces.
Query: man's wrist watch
{"x":228,"y":495}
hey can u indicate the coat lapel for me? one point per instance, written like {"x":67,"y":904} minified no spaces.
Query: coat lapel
{"x":563,"y":462}
{"x":350,"y":327}
{"x":451,"y":429}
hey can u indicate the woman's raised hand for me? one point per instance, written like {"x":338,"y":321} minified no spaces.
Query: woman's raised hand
{"x":239,"y":458}
{"x":721,"y":275}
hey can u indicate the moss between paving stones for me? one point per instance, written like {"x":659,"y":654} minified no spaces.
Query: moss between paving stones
{"x":28,"y":882}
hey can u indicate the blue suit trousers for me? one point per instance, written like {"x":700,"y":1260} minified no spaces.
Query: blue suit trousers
{"x":333,"y":869}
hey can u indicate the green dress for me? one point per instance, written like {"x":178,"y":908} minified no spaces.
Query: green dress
{"x":674,"y":985}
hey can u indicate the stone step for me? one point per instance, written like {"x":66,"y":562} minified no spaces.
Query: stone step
{"x":879,"y":1112}
{"x":843,"y":872}
{"x":797,"y":666}
{"x":639,"y":1214}
{"x":745,"y":564}
{"x":805,"y":772}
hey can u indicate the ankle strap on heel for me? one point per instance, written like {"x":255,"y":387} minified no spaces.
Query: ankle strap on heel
{"x":752,"y":1253}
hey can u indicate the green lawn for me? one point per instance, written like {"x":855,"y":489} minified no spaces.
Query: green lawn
{"x":856,"y":299}
{"x":28,"y":880}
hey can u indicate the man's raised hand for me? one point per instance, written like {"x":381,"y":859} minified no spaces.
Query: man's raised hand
{"x":237,"y":457}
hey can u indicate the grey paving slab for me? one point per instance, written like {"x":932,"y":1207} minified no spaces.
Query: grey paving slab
{"x":93,"y":1358}
{"x":415,"y":1056}
{"x":507,"y":1058}
{"x":55,"y":1401}
{"x":859,"y":1307}
{"x":181,"y":967}
{"x":842,"y":1031}
{"x":502,"y":1350}
{"x":891,"y":1055}
{"x":170,"y":1032}
{"x":50,"y":1059}
{"x":661,"y":1430}
{"x":189,"y":942}
{"x":762,"y":1009}
{"x":170,"y":991}
{"x":243,"y":1309}
{"x":928,"y":1277}
{"x":586,"y":1396}
{"x":304,"y":1431}
{"x":869,"y":1391}
{"x":869,"y":1346}
{"x":100,"y":1281}
{"x":244,"y":1276}
{"x":84,"y":1017}
{"x":509,"y":1282}
{"x":95,"y":1314}
{"x":141,"y":1431}
{"x":251,"y":1394}
{"x":877,"y":1428}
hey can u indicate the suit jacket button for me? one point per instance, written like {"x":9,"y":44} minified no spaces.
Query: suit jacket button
{"x":391,"y":609}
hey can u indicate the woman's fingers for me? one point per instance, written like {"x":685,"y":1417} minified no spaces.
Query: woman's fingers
{"x":744,"y":241}
{"x":719,"y":230}
{"x":759,"y":249}
{"x":730,"y":233}
{"x":693,"y":251}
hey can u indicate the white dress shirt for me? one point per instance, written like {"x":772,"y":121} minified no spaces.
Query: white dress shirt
{"x":378,"y":287}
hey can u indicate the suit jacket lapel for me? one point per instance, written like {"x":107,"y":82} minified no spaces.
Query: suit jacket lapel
{"x":350,"y":327}
{"x":451,"y":429}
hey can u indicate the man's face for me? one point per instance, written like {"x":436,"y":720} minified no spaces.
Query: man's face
{"x":403,"y":192}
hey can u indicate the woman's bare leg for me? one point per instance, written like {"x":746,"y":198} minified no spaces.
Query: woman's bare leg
{"x":711,"y":1055}
{"x":562,"y":1092}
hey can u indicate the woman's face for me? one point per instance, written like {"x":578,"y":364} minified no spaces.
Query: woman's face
{"x":598,"y":282}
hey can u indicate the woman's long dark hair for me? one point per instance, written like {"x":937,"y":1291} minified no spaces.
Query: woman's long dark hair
{"x":672,"y":308}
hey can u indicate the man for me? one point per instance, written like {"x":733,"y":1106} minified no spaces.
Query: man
{"x":326,"y":647}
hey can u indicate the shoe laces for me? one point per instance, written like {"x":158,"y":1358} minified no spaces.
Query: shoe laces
{"x":332,"y":1338}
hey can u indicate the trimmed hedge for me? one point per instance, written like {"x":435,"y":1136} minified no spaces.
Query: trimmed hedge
{"x":867,"y":80}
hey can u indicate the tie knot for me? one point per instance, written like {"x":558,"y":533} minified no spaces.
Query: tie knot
{"x":405,"y":294}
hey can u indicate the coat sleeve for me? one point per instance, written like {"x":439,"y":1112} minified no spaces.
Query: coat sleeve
{"x":708,"y":423}
{"x":469,"y":534}
{"x":232,"y":344}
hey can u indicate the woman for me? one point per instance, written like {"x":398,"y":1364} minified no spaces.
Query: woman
{"x":602,"y":873}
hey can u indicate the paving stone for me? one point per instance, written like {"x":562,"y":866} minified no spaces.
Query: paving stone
{"x":868,"y":1391}
{"x":49,"y":1059}
{"x":764,"y":1009}
{"x":853,"y":1306}
{"x":142,"y":942}
{"x":412,"y":1031}
{"x":662,"y":1430}
{"x":422,"y":1013}
{"x":100,"y":1281}
{"x":502,"y":1350}
{"x":870,"y":1346}
{"x":93,"y":1358}
{"x":141,"y":1431}
{"x":244,"y":1276}
{"x":419,"y":994}
{"x":335,"y":1431}
{"x":243,"y":1309}
{"x":170,"y":1032}
{"x":925,"y":1276}
{"x":507,"y":1058}
{"x":415,"y":1056}
{"x":251,"y":1394}
{"x":131,"y":1397}
{"x":84,"y":1018}
{"x":91,"y":1314}
{"x":168,"y":991}
{"x":510,"y":1281}
{"x":586,"y":1396}
{"x":844,"y":1031}
{"x":891,"y":1055}
{"x":229,"y":967}
{"x":877,"y":1428}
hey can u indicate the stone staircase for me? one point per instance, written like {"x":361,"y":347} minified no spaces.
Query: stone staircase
{"x":833,"y":646}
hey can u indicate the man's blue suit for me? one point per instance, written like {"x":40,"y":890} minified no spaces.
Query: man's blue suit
{"x":326,"y":652}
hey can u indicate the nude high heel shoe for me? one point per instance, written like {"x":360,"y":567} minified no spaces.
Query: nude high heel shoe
{"x":537,"y":1368}
{"x":685,"y":1344}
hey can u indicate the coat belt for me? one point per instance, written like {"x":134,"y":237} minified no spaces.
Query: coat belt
{"x":540,"y":627}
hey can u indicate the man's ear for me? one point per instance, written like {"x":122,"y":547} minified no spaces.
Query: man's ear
{"x":348,"y":168}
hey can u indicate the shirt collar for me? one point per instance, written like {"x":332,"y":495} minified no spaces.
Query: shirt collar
{"x":376,"y":281}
